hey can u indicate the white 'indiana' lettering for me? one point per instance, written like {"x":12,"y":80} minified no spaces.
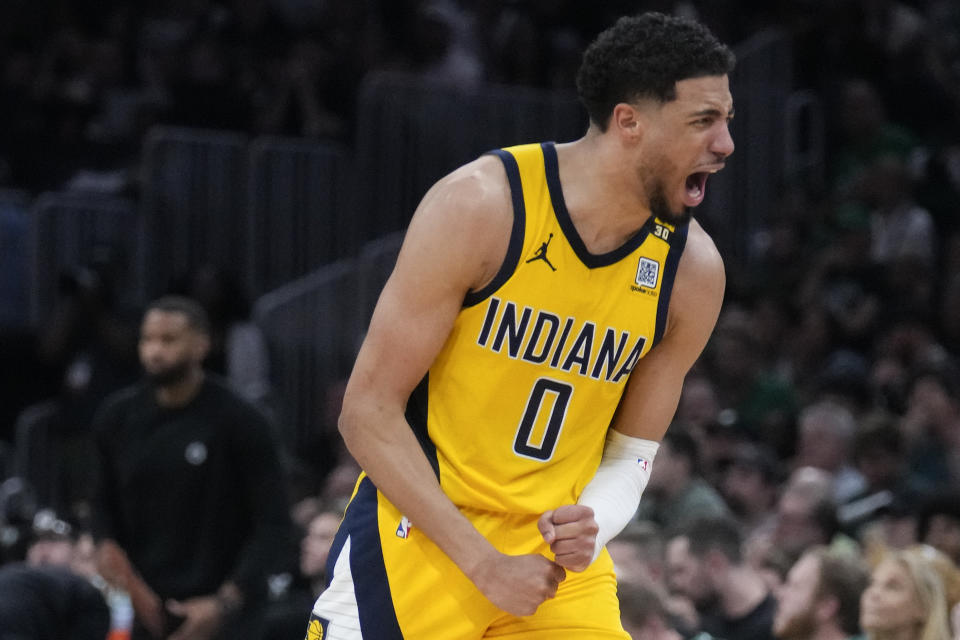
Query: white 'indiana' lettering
{"x":543,"y":338}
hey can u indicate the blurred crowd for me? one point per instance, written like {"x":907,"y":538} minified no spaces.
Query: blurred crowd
{"x":81,"y":81}
{"x":824,"y":414}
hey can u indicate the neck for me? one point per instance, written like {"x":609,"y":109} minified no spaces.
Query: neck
{"x":180,"y":393}
{"x":602,"y":191}
{"x":742,"y":591}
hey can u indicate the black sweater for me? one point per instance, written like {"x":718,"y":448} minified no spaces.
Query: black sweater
{"x":195,"y":495}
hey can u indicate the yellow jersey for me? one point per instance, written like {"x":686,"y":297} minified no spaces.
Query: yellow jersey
{"x":514,"y":411}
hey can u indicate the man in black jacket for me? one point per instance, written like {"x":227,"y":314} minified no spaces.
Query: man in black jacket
{"x":191,"y":514}
{"x":705,"y":564}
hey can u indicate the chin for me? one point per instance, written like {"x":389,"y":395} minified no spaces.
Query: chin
{"x":682,"y":218}
{"x":677,"y":219}
{"x":868,"y":621}
{"x":661,"y":209}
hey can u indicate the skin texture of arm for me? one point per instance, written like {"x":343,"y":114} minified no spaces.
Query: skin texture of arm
{"x":455,"y":243}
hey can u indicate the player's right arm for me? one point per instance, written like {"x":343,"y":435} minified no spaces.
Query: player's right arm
{"x":456,"y":241}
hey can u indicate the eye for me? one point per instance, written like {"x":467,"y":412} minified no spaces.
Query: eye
{"x":704,"y":123}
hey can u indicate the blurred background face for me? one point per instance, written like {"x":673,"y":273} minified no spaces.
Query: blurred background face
{"x":891,"y":601}
{"x":315,"y":546}
{"x":745,"y":489}
{"x":899,"y":530}
{"x":169,"y":347}
{"x":626,"y":561}
{"x":56,"y":553}
{"x":929,"y":398}
{"x":668,"y":471}
{"x":685,"y":575}
{"x":698,"y":402}
{"x":796,"y":528}
{"x":944,"y":533}
{"x":795,"y":600}
{"x":819,"y":446}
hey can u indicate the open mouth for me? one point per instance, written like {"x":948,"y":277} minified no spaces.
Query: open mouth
{"x":695,"y":188}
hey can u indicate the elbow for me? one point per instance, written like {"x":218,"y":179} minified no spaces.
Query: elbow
{"x":356,"y":420}
{"x":347,"y":423}
{"x":368,"y":418}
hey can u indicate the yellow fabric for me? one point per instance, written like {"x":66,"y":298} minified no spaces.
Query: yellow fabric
{"x":485,"y":380}
{"x":433,"y":600}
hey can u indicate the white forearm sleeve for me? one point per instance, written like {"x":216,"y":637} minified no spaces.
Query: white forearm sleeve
{"x":614,"y":493}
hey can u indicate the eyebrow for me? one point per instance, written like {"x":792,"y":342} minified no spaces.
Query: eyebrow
{"x":713,"y":112}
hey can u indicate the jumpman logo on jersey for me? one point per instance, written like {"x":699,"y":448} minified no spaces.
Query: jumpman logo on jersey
{"x":541,"y":254}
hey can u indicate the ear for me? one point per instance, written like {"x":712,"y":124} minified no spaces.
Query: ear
{"x":628,"y":120}
{"x":201,"y":346}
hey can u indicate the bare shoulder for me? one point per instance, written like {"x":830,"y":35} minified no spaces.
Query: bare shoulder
{"x":700,"y":283}
{"x":455,"y":243}
{"x":476,"y":195}
{"x":701,"y":268}
{"x":468,"y":215}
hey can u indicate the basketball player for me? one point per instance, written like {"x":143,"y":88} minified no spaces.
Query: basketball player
{"x":527,"y":355}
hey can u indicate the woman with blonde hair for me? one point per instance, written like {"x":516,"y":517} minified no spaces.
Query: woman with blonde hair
{"x":905,"y":599}
{"x":950,"y":574}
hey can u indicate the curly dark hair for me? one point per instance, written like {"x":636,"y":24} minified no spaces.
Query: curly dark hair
{"x":645,"y":56}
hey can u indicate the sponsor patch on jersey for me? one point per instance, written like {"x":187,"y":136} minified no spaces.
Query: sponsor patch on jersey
{"x":317,"y":629}
{"x":648,"y":271}
{"x":403,"y":529}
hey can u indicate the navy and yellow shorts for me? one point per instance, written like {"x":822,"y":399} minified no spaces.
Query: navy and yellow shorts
{"x":389,"y":582}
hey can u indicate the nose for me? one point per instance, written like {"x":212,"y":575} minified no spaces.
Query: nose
{"x":722,"y":144}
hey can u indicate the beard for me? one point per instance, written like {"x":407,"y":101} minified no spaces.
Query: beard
{"x":737,"y":504}
{"x":170,"y":376}
{"x":660,"y":209}
{"x":657,"y":200}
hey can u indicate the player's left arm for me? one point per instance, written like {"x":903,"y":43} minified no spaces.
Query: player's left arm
{"x":653,"y":391}
{"x":578,"y":532}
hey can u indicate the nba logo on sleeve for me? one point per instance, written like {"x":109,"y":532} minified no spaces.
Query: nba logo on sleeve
{"x":403,"y":529}
{"x":647,"y":273}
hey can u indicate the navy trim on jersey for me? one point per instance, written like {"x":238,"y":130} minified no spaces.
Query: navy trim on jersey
{"x":678,"y":240}
{"x":417,"y":417}
{"x":339,"y":539}
{"x":591,"y":260}
{"x":515,"y":248}
{"x":374,"y":603}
